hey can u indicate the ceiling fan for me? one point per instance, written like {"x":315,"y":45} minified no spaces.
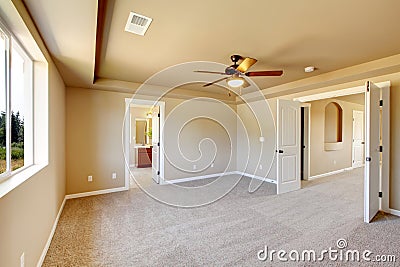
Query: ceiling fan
{"x":235,"y":72}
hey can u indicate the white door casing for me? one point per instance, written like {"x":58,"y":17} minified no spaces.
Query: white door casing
{"x":288,"y":146}
{"x":155,"y":123}
{"x":372,"y":154}
{"x":358,"y":139}
{"x":307,"y":142}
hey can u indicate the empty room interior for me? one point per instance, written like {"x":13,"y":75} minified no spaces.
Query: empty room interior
{"x":191,"y":133}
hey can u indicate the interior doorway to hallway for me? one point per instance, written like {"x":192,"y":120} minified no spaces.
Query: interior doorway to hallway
{"x":368,"y":143}
{"x":143,"y":142}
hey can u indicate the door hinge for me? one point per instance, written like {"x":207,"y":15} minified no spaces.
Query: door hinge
{"x":158,"y":144}
{"x":158,"y":172}
{"x":380,"y":194}
{"x":380,"y":148}
{"x":381,"y":103}
{"x":367,"y":159}
{"x":158,"y":115}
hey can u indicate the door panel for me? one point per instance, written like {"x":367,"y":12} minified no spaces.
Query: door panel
{"x":372,"y":142}
{"x":358,"y":139}
{"x":288,"y":146}
{"x":288,"y":174}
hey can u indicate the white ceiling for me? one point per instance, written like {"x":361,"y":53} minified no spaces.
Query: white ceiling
{"x":286,"y":34}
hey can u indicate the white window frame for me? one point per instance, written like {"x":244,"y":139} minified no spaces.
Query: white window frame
{"x":11,"y":43}
{"x":29,"y":39}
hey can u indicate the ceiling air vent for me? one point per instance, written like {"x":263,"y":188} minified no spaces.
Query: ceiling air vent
{"x":137,"y":23}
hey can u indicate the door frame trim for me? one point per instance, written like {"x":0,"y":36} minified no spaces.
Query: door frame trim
{"x":385,"y":174}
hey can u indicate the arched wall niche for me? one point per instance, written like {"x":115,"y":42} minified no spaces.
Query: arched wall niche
{"x":333,"y":134}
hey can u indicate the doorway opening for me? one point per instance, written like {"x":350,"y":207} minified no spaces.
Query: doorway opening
{"x":365,"y":137}
{"x":143,"y":142}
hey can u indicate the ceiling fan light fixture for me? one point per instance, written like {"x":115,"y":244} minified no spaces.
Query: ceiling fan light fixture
{"x":235,"y":81}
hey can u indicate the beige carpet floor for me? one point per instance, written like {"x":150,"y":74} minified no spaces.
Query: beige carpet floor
{"x":132,"y":229}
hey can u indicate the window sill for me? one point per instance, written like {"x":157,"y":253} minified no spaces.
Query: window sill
{"x":17,"y":179}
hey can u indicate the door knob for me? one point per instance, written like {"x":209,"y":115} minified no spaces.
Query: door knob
{"x":280,"y":151}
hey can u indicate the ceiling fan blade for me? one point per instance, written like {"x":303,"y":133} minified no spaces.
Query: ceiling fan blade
{"x":264,"y":73}
{"x":217,"y":81}
{"x":212,"y":72}
{"x":246,"y":64}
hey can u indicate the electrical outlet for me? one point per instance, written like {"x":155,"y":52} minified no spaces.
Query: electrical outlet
{"x":194,"y":167}
{"x":260,"y":167}
{"x":90,"y":178}
{"x":114,"y":175}
{"x":334,"y":162}
{"x":22,"y":260}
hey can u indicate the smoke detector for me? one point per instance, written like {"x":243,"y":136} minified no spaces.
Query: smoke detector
{"x":137,"y":24}
{"x":309,"y":69}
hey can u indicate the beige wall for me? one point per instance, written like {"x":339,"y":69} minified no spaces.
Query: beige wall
{"x":251,"y":153}
{"x":356,"y":98}
{"x":94,"y":139}
{"x":28,"y":212}
{"x":326,"y":161}
{"x":94,"y":145}
{"x":395,"y":145}
{"x":221,"y":128}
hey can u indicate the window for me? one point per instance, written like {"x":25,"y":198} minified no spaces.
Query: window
{"x":16,"y":114}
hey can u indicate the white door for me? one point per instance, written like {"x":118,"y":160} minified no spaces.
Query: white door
{"x":372,"y":154}
{"x":288,"y":146}
{"x":358,"y":139}
{"x":155,"y":155}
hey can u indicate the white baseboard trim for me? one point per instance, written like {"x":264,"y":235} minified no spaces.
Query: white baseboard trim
{"x":53,"y":229}
{"x":268,"y":180}
{"x":195,"y":178}
{"x":394,"y":212}
{"x":98,"y":192}
{"x":329,"y":173}
{"x":355,"y":167}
